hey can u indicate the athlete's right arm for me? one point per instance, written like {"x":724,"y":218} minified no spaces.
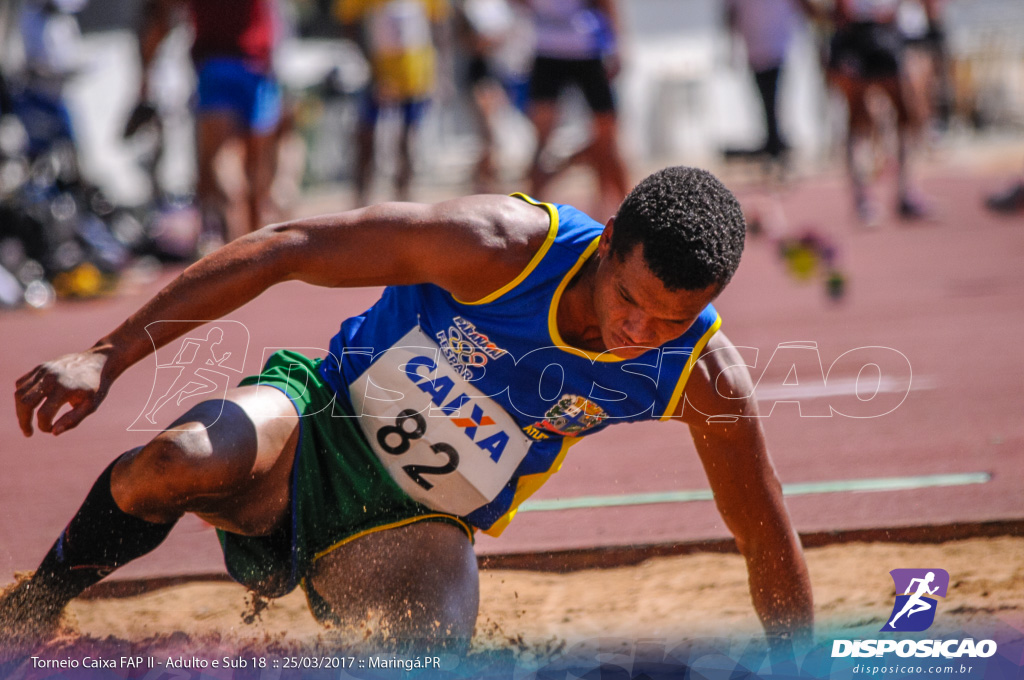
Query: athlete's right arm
{"x":469,"y":246}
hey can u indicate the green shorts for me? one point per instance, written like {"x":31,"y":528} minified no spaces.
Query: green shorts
{"x":339,"y":489}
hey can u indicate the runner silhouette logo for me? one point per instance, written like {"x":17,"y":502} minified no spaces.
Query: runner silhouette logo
{"x":915,"y":606}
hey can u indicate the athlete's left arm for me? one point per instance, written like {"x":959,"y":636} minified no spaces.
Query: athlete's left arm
{"x":747,"y":491}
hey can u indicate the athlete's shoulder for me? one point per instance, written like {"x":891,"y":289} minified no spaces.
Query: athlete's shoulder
{"x":506,"y":236}
{"x":509,"y":227}
{"x":569,"y":224}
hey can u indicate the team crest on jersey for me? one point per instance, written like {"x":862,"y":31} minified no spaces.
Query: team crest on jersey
{"x":571,"y":416}
{"x":466,"y":348}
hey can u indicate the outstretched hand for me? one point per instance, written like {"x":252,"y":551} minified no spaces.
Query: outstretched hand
{"x":75,"y":380}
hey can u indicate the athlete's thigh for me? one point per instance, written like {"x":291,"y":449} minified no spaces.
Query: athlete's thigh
{"x":227,"y":460}
{"x":420,"y":579}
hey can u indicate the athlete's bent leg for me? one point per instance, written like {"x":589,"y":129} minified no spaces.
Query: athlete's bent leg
{"x":410,"y":584}
{"x":100,"y":538}
{"x":227,"y":460}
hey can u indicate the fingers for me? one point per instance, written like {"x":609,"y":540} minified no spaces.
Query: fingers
{"x":47,"y":412}
{"x":28,"y":378}
{"x":27,"y":397}
{"x":38,"y":394}
{"x":73,"y":417}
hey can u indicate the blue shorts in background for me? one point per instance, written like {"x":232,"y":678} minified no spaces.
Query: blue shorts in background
{"x":229,"y":84}
{"x":411,"y":110}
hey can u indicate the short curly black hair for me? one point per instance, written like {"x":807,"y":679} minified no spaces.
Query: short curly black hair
{"x":690,"y":226}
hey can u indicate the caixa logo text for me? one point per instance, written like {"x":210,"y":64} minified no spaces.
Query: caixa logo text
{"x":950,"y":649}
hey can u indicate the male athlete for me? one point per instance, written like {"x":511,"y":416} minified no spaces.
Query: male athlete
{"x":446,"y":374}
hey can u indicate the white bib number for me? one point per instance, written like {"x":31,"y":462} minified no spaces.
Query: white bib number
{"x":441,"y":439}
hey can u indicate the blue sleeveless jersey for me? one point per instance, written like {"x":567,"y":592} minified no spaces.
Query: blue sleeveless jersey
{"x":472,"y":406}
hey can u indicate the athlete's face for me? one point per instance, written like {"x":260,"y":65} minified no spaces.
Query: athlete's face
{"x":635,"y":310}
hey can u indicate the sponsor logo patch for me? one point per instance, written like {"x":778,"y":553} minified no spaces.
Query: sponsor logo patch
{"x":466,"y":348}
{"x":571,"y":416}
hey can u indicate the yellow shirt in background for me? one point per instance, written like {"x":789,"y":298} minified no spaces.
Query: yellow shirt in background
{"x":400,"y":43}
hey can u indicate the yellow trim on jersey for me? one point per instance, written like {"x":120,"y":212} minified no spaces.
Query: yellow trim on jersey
{"x":556,"y":337}
{"x":527,"y":486}
{"x":394,"y":525}
{"x":698,"y":347}
{"x":537,"y":257}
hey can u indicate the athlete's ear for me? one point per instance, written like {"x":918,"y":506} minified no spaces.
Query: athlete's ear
{"x":604,"y":247}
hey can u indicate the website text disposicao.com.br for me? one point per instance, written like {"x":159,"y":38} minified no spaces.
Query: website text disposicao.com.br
{"x":950,"y":651}
{"x":898,"y":670}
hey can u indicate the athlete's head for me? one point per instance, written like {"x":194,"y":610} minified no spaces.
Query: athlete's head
{"x":689,"y":225}
{"x":672,"y":247}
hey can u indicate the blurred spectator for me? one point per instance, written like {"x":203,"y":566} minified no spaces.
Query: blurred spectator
{"x":866,"y":51}
{"x":398,"y":39}
{"x":927,"y":67}
{"x":766,"y":28}
{"x":499,"y":53}
{"x":52,"y":43}
{"x":577,"y":44}
{"x":59,"y":234}
{"x":238,"y":99}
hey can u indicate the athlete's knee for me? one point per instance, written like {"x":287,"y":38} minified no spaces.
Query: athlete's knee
{"x":160,"y":476}
{"x":174,"y":470}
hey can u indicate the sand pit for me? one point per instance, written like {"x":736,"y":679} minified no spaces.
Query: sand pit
{"x":534,"y":614}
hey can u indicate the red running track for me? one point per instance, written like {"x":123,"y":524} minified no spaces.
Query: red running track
{"x":948,"y":295}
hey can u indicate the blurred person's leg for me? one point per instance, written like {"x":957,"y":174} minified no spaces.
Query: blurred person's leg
{"x":920,"y":81}
{"x":228,"y":109}
{"x":213,"y":130}
{"x":288,"y":158}
{"x":847,"y":73}
{"x":543,"y":116}
{"x":908,"y":128}
{"x":412,"y":115}
{"x":605,"y":156}
{"x":613,"y":184}
{"x":854,"y":90}
{"x":488,"y":97}
{"x":263,"y":116}
{"x":487,"y":101}
{"x":546,"y":82}
{"x":259,"y":175}
{"x":884,"y":50}
{"x":365,"y":149}
{"x":768,"y":86}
